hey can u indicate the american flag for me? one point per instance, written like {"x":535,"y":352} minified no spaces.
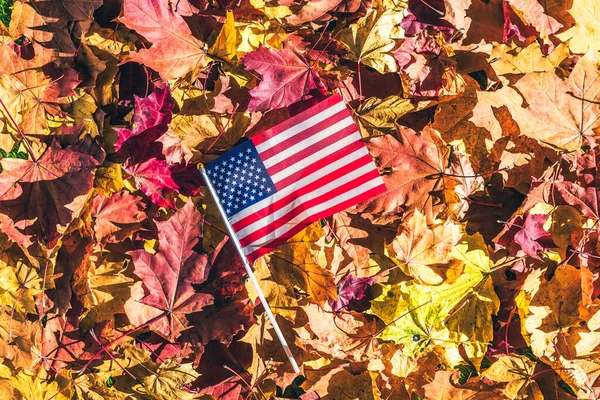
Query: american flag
{"x":309,"y":167}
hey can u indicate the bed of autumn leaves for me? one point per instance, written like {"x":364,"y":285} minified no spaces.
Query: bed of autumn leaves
{"x":476,"y":275}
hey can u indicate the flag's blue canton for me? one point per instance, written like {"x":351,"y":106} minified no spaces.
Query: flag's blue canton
{"x":240,"y":178}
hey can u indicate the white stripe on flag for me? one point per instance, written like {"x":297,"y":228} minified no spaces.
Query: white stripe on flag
{"x":302,"y":199}
{"x":310,"y":212}
{"x":347,"y":159}
{"x":288,"y":133}
{"x":309,"y":141}
{"x":314,"y":157}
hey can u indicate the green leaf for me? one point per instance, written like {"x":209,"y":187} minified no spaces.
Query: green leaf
{"x":445,"y":315}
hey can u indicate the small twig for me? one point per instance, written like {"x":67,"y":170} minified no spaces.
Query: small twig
{"x":432,"y":8}
{"x":25,"y":140}
{"x":93,"y":334}
{"x":222,"y":130}
{"x":216,"y":228}
{"x":360,"y":95}
{"x":316,"y":43}
{"x":130,"y":332}
{"x":507,"y":263}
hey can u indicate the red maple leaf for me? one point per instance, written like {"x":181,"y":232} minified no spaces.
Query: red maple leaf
{"x":153,"y":177}
{"x":114,"y":216}
{"x":148,"y":112}
{"x":168,"y":276}
{"x":38,"y":197}
{"x":175,"y":51}
{"x":286,"y":78}
{"x":529,"y":233}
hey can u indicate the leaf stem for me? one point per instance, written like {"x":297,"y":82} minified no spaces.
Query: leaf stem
{"x":130,"y":332}
{"x":73,"y":383}
{"x":506,"y":264}
{"x":25,"y":140}
{"x":216,"y":228}
{"x":360,"y":95}
{"x":432,"y":8}
{"x":328,"y":43}
{"x":316,"y":43}
{"x":222,"y":129}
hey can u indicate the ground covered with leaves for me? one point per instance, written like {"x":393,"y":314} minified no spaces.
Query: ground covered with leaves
{"x":476,"y":275}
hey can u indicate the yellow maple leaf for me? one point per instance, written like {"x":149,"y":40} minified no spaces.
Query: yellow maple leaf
{"x":423,"y":252}
{"x":225,"y":47}
{"x":561,"y":113}
{"x":585,"y":34}
{"x":303,"y":262}
{"x":548,"y":309}
{"x":281,"y":298}
{"x":516,"y":371}
{"x":34,"y":385}
{"x":448,"y":315}
{"x":371,"y":38}
{"x":377,"y":116}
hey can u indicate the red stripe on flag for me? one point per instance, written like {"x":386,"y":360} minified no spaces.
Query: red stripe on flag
{"x":324,"y":214}
{"x":304,"y":206}
{"x":322,"y":163}
{"x":304,"y":153}
{"x":273,"y":207}
{"x":302,"y":135}
{"x":296,"y":119}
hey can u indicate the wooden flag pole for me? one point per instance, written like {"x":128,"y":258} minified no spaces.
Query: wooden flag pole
{"x":249,"y":271}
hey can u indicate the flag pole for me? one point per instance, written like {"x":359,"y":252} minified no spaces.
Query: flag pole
{"x":249,"y":271}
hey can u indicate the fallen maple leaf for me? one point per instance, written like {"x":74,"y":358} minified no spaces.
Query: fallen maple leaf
{"x":286,"y":78}
{"x":562,"y":113}
{"x":527,"y":18}
{"x":42,"y":197}
{"x":584,"y":35}
{"x":545,"y":326}
{"x":583,"y":193}
{"x":302,"y":262}
{"x":169,"y":274}
{"x":413,"y":168}
{"x":421,"y":251}
{"x":425,"y":65}
{"x":529,"y":233}
{"x":169,"y":381}
{"x":378,"y":116}
{"x":350,"y":291}
{"x":446,"y":386}
{"x":517,"y":372}
{"x":345,"y":336}
{"x":312,"y":10}
{"x":110,"y":214}
{"x":175,"y":51}
{"x":154,"y":178}
{"x":174,"y":149}
{"x":416,"y":315}
{"x":372,"y":37}
{"x":153,"y":111}
{"x":225,"y":47}
{"x":49,"y":31}
{"x":28,"y":93}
